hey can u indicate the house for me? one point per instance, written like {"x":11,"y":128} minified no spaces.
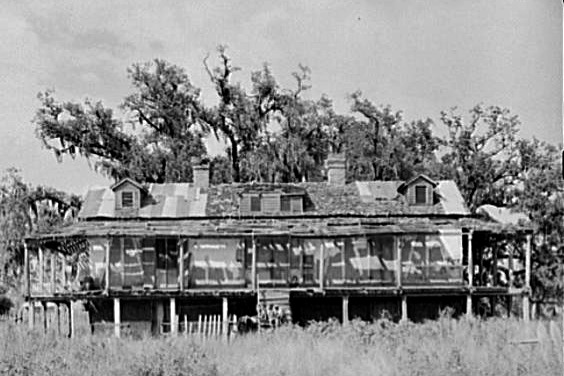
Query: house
{"x":159,"y":256}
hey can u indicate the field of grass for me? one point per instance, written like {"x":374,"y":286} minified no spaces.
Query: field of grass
{"x":444,"y":347}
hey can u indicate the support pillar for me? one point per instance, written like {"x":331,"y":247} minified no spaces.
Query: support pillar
{"x":26,"y":271}
{"x":527,"y":292}
{"x":404,"y":308}
{"x":72,"y":323}
{"x":225,"y":317}
{"x":469,"y":311}
{"x":397,"y":248}
{"x":31,"y":314}
{"x":173,"y":323}
{"x":117,"y":318}
{"x":345,"y":310}
{"x":41,"y":270}
{"x":53,"y":276}
{"x":58,"y":319}
{"x":322,"y":265}
{"x":44,"y":316}
{"x":181,"y":265}
{"x":253,"y":264}
{"x":107,"y":272}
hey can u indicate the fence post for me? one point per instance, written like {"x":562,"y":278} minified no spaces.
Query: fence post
{"x":225,"y":316}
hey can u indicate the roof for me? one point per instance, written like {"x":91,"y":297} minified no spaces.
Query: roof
{"x":406,"y":184}
{"x":502,"y":215}
{"x":366,"y":198}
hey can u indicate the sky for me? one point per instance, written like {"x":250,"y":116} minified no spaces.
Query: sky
{"x":421,"y":57}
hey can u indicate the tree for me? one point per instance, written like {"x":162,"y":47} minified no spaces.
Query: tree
{"x":480,"y":154}
{"x":383,"y":147}
{"x":167,"y":117}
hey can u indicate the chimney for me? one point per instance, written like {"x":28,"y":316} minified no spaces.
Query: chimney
{"x":200,"y":174}
{"x":336,"y":168}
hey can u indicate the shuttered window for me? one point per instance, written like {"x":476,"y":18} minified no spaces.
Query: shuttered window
{"x":255,"y":203}
{"x":285,"y":203}
{"x":420,"y":194}
{"x":127,"y":199}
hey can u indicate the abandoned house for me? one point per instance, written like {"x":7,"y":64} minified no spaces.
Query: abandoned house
{"x":155,"y":257}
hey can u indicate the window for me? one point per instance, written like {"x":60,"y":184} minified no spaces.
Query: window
{"x":420,"y":194}
{"x":285,"y":203}
{"x":127,"y":199}
{"x":255,"y":204}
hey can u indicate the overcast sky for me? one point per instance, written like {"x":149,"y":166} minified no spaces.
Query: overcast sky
{"x":418,"y":56}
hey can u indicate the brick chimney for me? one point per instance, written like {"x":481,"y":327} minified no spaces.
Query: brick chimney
{"x":200,"y":174}
{"x":336,"y":168}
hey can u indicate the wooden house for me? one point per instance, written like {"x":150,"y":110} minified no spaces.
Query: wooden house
{"x":156,"y":256}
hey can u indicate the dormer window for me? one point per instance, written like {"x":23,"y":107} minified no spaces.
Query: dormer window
{"x":419,"y":190}
{"x":127,"y":199}
{"x":271,"y":203}
{"x":255,"y":204}
{"x":420,"y":194}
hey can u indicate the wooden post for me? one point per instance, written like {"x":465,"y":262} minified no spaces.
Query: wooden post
{"x":44,"y":316}
{"x":107,"y":273}
{"x":200,"y":325}
{"x":397,"y":248}
{"x":345,"y":310}
{"x":181,"y":265}
{"x":527,"y":292}
{"x":185,"y":326}
{"x":322,"y":265}
{"x":72,"y":323}
{"x":64,"y":277}
{"x":173,"y":324}
{"x":53,"y":273}
{"x":470,"y":261}
{"x":253,"y":264}
{"x":225,"y":317}
{"x":469,"y":311}
{"x":27,"y":276}
{"x":31,"y":314}
{"x":41,"y":270}
{"x":404,"y":308}
{"x":58,"y":319}
{"x":117,"y":318}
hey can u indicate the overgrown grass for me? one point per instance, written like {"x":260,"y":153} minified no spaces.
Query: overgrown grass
{"x":443,"y":347}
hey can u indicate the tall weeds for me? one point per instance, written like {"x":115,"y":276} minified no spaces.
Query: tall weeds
{"x":442,"y":347}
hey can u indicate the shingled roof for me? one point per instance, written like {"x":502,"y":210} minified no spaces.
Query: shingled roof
{"x":367,"y":198}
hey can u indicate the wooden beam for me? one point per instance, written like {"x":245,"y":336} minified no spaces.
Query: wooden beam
{"x":345,"y":310}
{"x":253,"y":264}
{"x":53,"y":272}
{"x":225,"y":317}
{"x":404,"y":316}
{"x":26,"y":271}
{"x":181,"y":265}
{"x":107,"y":272}
{"x":173,"y":324}
{"x":117,"y":318}
{"x":41,"y":269}
{"x":398,"y":271}
{"x":322,"y":266}
{"x":470,"y":261}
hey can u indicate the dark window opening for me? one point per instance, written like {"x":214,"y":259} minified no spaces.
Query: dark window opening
{"x":420,"y":194}
{"x":285,"y":203}
{"x":255,"y":204}
{"x":127,"y":199}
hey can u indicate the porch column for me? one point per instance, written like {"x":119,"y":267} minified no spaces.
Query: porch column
{"x":345,"y":310}
{"x":322,"y":265}
{"x":53,"y":272}
{"x":253,"y":264}
{"x":44,"y":316}
{"x":26,"y":271}
{"x":225,"y":317}
{"x":72,"y":323}
{"x":31,"y":314}
{"x":173,"y":324}
{"x":527,"y":290}
{"x":107,"y":272}
{"x":470,"y":275}
{"x":41,"y":270}
{"x":403,"y":308}
{"x":181,"y":265}
{"x":397,"y":248}
{"x":117,"y":317}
